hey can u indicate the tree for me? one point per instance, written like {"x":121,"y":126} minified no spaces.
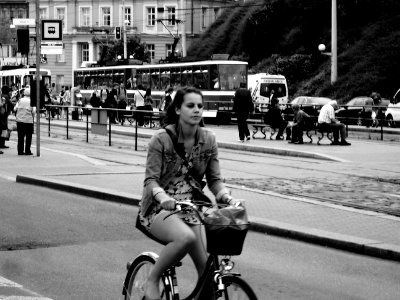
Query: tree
{"x":110,"y":52}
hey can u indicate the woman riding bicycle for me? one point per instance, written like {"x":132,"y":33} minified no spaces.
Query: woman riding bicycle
{"x":178,"y":158}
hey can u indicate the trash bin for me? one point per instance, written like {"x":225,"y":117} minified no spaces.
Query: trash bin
{"x":75,"y":114}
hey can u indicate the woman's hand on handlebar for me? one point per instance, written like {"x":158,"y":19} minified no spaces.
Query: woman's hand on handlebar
{"x":168,"y":203}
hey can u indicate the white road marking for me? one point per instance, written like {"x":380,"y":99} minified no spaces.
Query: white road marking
{"x":8,"y":283}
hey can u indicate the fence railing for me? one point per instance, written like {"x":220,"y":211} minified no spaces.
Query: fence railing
{"x":105,"y":118}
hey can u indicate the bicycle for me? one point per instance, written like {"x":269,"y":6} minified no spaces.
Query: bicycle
{"x":226,"y":285}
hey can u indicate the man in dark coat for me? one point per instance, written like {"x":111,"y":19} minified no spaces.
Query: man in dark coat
{"x":242,"y":106}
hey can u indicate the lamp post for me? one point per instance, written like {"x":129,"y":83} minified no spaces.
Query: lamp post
{"x":334,"y":61}
{"x":333,"y":53}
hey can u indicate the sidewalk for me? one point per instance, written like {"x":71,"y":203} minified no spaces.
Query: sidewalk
{"x":337,"y":226}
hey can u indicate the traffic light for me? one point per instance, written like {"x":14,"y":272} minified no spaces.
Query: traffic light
{"x":117,"y":33}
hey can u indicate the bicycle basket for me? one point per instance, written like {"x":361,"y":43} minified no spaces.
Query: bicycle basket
{"x":226,"y":230}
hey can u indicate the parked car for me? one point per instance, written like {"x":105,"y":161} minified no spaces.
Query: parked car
{"x":354,"y":113}
{"x":310,"y":105}
{"x":392,"y":113}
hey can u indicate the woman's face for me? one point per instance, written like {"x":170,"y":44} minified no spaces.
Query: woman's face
{"x":191,"y":111}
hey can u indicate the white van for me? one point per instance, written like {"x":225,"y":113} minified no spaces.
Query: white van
{"x":263,"y":86}
{"x":392,"y":112}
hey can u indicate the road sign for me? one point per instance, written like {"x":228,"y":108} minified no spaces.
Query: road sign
{"x":24,"y":22}
{"x":51,"y":30}
{"x":51,"y":47}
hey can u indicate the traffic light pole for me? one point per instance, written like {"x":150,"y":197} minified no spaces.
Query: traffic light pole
{"x":124,"y":30}
{"x":37,"y":79}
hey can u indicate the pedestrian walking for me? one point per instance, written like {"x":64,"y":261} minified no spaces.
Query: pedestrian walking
{"x":242,"y":106}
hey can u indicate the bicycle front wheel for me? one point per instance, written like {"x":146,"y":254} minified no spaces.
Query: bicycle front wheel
{"x":236,"y":289}
{"x":137,"y":276}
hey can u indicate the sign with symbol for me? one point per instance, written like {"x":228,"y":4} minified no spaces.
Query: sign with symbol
{"x":51,"y":30}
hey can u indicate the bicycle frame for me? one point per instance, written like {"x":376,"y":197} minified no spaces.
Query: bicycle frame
{"x":212,"y":273}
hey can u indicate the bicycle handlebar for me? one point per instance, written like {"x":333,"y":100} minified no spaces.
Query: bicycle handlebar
{"x":190,"y":206}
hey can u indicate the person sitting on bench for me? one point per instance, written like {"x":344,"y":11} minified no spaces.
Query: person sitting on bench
{"x":327,"y":122}
{"x":273,"y":118}
{"x":295,"y":129}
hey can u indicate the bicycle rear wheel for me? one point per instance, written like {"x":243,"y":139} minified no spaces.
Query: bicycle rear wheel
{"x":136,"y":278}
{"x":236,"y":289}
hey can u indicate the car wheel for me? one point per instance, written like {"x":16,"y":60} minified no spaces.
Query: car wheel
{"x":390,"y":122}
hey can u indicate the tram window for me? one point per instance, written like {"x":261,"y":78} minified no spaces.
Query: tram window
{"x":230,"y":77}
{"x":108,"y":78}
{"x":165,"y":75}
{"x":176,"y":78}
{"x":79,"y":78}
{"x":214,"y":83}
{"x":143,"y":79}
{"x":200,"y":77}
{"x":118,"y":76}
{"x":155,"y":80}
{"x":187,"y":76}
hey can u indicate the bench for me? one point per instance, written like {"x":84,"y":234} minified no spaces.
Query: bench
{"x":263,"y":128}
{"x":329,"y":134}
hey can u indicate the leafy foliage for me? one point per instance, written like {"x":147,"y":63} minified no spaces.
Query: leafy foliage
{"x":134,"y":47}
{"x":282,"y":36}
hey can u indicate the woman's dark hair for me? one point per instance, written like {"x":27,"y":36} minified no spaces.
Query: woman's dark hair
{"x":171,"y":117}
{"x":148,"y":92}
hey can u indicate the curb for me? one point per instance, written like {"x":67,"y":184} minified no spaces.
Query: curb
{"x":310,"y":235}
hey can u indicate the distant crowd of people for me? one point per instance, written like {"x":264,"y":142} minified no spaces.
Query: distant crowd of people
{"x":301,"y":121}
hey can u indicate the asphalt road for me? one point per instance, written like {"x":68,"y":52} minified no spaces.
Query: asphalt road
{"x":65,"y":246}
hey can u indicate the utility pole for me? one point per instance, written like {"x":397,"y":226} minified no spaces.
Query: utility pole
{"x":124,"y":30}
{"x":183,"y":30}
{"x":334,"y":62}
{"x":37,"y":79}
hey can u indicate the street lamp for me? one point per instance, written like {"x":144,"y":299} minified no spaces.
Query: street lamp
{"x":333,"y":53}
{"x":126,"y":22}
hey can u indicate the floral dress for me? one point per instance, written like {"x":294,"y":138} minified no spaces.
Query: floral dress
{"x":178,"y":188}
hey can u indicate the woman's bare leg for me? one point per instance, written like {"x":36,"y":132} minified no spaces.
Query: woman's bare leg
{"x":199,"y":255}
{"x":180,"y":238}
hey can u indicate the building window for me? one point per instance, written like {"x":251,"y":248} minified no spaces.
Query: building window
{"x":43,"y":13}
{"x":105,"y":16}
{"x":21,"y":13}
{"x":171,"y":16}
{"x":168,"y":50}
{"x":204,"y":11}
{"x":127,"y":14}
{"x":216,"y":13}
{"x":85,"y":52}
{"x":151,"y":16}
{"x":85,"y":16}
{"x":60,"y":14}
{"x":151,"y":49}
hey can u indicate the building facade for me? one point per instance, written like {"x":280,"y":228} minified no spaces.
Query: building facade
{"x":89,"y":24}
{"x":8,"y":33}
